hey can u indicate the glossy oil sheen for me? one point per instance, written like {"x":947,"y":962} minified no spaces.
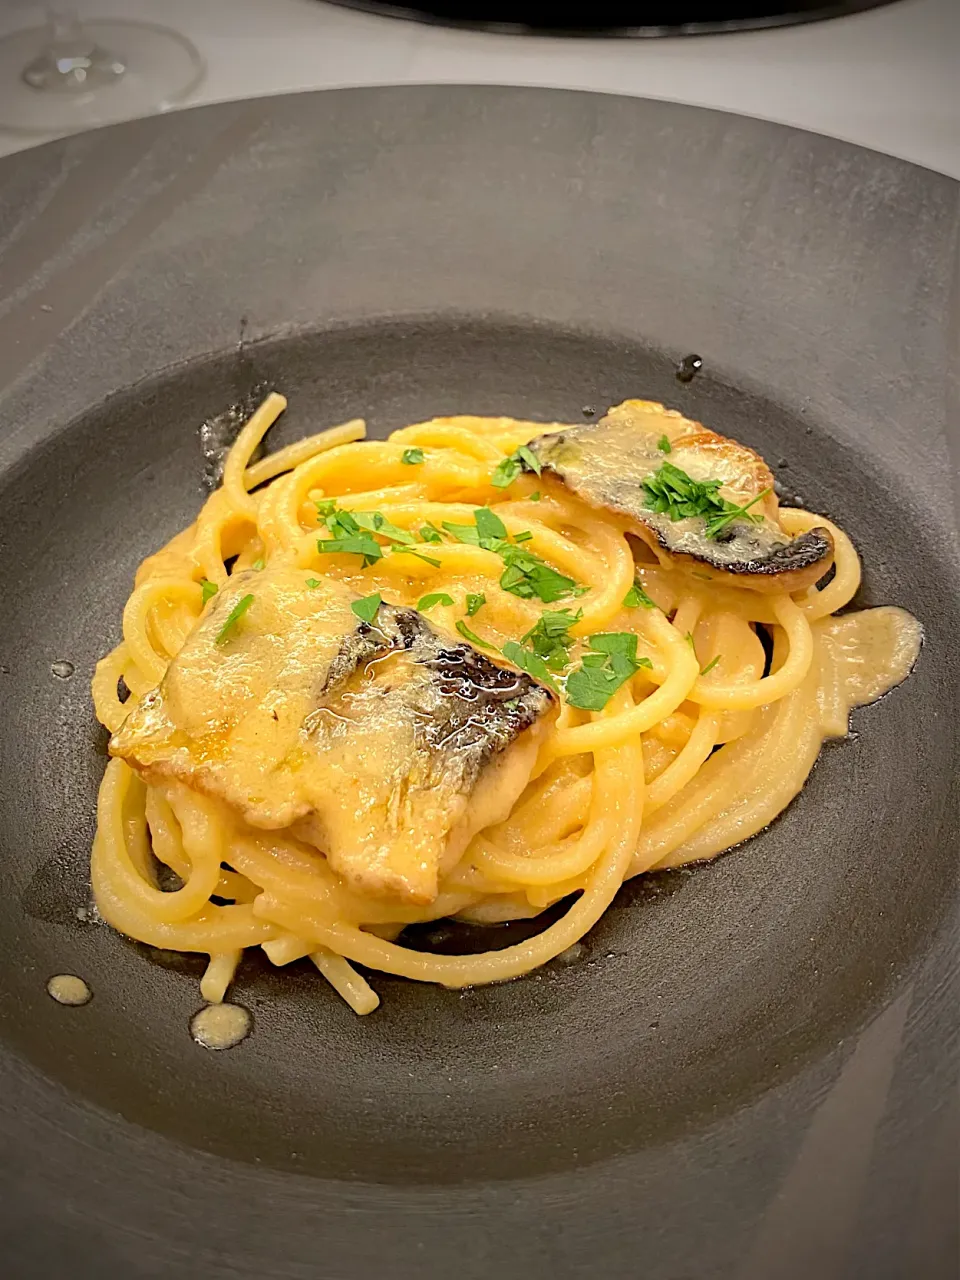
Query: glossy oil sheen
{"x":744,"y":1074}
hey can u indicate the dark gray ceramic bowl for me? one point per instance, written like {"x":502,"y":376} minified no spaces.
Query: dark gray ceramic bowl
{"x":751,"y":1073}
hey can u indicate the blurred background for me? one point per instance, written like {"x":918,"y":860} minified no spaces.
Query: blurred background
{"x":882,"y":73}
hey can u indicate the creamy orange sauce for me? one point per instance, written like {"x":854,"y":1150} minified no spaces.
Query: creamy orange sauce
{"x":221,"y":1026}
{"x":67,"y":988}
{"x":869,"y":654}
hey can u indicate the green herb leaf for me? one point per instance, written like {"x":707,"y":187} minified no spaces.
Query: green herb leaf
{"x":549,"y":637}
{"x":710,"y":665}
{"x":522,"y":459}
{"x":689,"y":639}
{"x":361,"y":544}
{"x":623,"y":642}
{"x":591,"y":688}
{"x":530,"y":663}
{"x":637,"y":597}
{"x":325,"y":506}
{"x":435,"y":597}
{"x":554,"y":622}
{"x":719,"y":522}
{"x":412,"y":457}
{"x":341,"y":524}
{"x":527,"y":576}
{"x":529,"y":459}
{"x":409,"y":551}
{"x":258,"y":564}
{"x":490,"y":528}
{"x":473,"y":637}
{"x":429,"y":533}
{"x":611,"y":663}
{"x":670,"y":491}
{"x":313,"y":583}
{"x":463,"y":533}
{"x":207,"y":589}
{"x":376,"y":522}
{"x":505,"y":472}
{"x":233,"y":617}
{"x":366,"y":609}
{"x":475,"y":603}
{"x":523,"y":536}
{"x":664,"y":445}
{"x":535,"y":497}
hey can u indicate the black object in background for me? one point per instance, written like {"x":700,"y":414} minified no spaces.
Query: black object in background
{"x":607,"y":17}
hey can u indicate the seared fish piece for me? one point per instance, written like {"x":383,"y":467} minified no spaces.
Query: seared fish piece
{"x":385,"y":745}
{"x":607,"y":462}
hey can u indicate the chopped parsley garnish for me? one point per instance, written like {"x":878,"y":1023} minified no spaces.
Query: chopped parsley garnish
{"x":207,"y":589}
{"x":475,"y":603}
{"x":366,"y":609}
{"x":611,"y":663}
{"x":550,"y":639}
{"x":530,"y":663}
{"x":535,"y":497}
{"x":463,"y":533}
{"x":523,"y":536}
{"x":313,"y":583}
{"x":412,"y":457}
{"x":473,"y":637}
{"x":430,"y":533}
{"x":637,"y":597}
{"x":664,"y":445}
{"x":352,"y":532}
{"x":525,"y":574}
{"x":374,"y":522}
{"x":710,"y":665}
{"x":670,"y":491}
{"x":522,"y":459}
{"x":716,"y":524}
{"x":233,"y":617}
{"x":341,"y":524}
{"x":258,"y":564}
{"x":434,"y":597}
{"x":490,"y":528}
{"x":409,"y":551}
{"x":361,"y":544}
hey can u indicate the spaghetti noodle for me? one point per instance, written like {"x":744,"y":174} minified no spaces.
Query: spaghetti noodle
{"x":704,"y":744}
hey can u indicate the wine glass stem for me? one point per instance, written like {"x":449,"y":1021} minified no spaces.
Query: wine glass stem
{"x":66,"y":32}
{"x":71,"y":61}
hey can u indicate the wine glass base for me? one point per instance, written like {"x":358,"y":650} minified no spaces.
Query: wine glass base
{"x":130,"y":69}
{"x":79,"y":71}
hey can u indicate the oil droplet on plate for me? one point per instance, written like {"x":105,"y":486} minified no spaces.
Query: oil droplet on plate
{"x":62,"y":670}
{"x":689,"y":367}
{"x":220,"y":1026}
{"x":67,"y":988}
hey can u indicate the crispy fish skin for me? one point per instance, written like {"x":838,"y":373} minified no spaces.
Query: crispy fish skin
{"x":385,"y":745}
{"x":606,"y":463}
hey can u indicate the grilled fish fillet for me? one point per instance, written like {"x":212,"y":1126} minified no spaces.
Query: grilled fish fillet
{"x":607,"y":462}
{"x":385,"y":745}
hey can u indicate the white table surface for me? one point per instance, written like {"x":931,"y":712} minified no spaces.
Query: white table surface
{"x":887,"y":79}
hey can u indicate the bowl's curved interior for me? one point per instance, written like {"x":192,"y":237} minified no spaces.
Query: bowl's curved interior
{"x":697,"y":991}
